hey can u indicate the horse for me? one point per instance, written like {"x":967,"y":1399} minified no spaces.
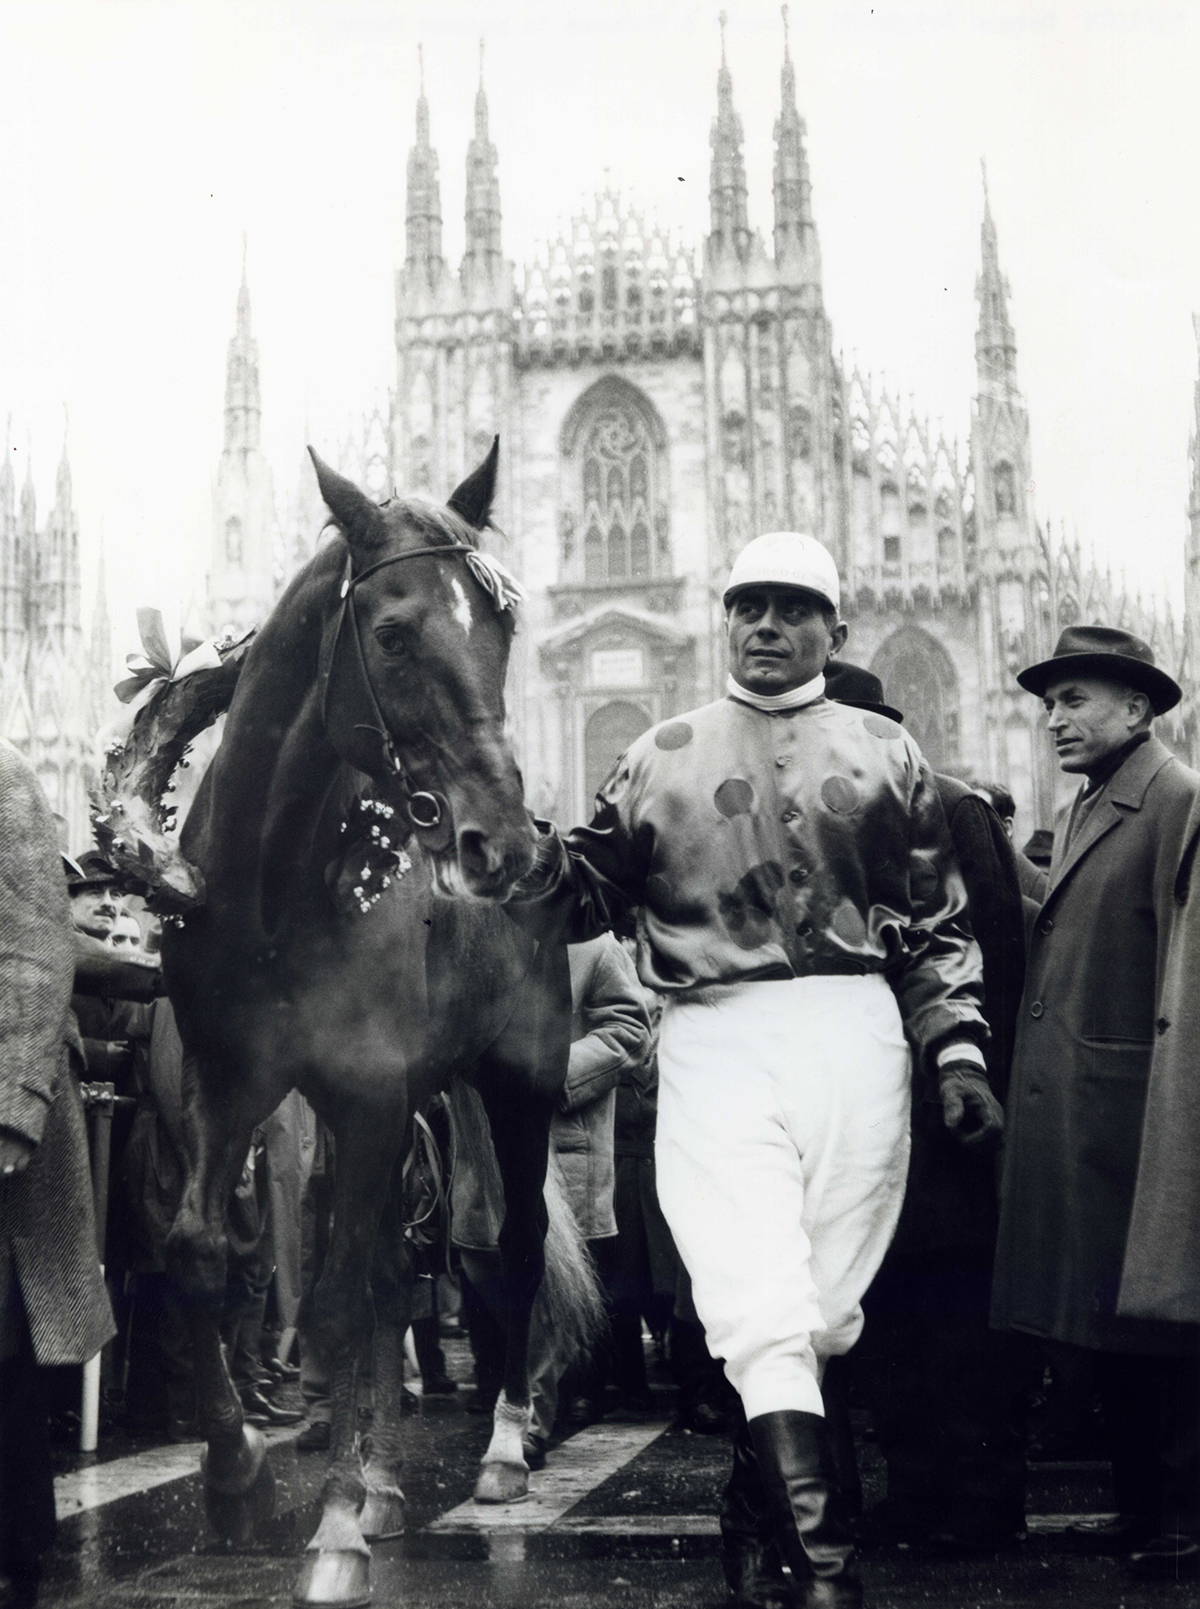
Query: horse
{"x":367,"y":718}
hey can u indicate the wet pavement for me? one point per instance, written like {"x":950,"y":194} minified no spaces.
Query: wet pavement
{"x":625,"y":1513}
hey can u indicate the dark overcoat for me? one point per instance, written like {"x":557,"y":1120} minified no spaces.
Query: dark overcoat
{"x":950,"y":1201}
{"x":1161,"y":1278}
{"x":1081,"y":1066}
{"x":49,"y":1271}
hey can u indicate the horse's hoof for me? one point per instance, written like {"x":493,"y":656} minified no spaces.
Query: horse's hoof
{"x":237,"y":1516}
{"x":382,"y":1516}
{"x":502,"y":1483}
{"x":233,"y":1470}
{"x":340,"y":1578}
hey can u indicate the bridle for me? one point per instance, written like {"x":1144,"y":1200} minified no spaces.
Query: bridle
{"x":426,"y":810}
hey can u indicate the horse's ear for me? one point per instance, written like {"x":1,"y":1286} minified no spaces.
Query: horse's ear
{"x":361,"y":520}
{"x":472,"y":500}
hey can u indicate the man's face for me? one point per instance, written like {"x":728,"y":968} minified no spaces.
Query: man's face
{"x":126,"y":934}
{"x":1090,"y":719}
{"x":94,"y":911}
{"x":780,"y":638}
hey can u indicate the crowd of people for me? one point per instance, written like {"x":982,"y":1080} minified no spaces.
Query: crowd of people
{"x":865,"y":1106}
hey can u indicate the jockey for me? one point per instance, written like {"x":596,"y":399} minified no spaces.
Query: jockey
{"x":799,"y":907}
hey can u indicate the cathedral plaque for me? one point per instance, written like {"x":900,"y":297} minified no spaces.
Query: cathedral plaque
{"x":617,"y":667}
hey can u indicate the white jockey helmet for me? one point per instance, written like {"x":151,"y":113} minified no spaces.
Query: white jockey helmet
{"x":785,"y":559}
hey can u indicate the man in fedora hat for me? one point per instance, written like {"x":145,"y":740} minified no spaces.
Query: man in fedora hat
{"x":799,"y":906}
{"x":1089,"y":1022}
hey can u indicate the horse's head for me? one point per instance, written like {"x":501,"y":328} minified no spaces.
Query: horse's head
{"x":412,"y":666}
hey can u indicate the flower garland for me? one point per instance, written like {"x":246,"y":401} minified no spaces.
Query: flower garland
{"x":383,"y":861}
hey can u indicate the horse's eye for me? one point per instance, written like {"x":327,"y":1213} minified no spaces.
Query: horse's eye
{"x":391,"y":640}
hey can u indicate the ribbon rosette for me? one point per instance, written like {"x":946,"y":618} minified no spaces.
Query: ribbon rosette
{"x":501,"y":584}
{"x":156,"y":663}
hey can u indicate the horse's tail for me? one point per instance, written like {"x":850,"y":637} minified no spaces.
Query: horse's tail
{"x":569,"y":1298}
{"x":570,"y":1301}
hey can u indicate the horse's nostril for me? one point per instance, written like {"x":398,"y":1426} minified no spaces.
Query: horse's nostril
{"x":476,"y":849}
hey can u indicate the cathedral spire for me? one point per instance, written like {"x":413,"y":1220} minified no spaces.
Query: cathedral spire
{"x":29,"y":500}
{"x":995,"y":342}
{"x":730,"y":235}
{"x":62,"y":479}
{"x":58,"y":562}
{"x":243,"y":403}
{"x":793,"y":191}
{"x":481,"y":259}
{"x":240,"y":564}
{"x":423,"y":214}
{"x":243,"y":301}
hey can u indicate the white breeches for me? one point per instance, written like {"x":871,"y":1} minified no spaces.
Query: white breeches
{"x":782,"y":1152}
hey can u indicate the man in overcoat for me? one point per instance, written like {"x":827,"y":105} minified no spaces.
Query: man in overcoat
{"x":1090,"y":1018}
{"x":1161,"y":1277}
{"x":53,"y":1305}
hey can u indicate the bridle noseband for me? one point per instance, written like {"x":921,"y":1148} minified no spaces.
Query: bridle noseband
{"x":426,"y":810}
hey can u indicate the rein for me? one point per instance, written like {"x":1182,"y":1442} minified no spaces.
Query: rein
{"x":425,"y":809}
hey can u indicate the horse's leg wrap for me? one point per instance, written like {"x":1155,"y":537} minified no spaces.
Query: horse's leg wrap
{"x":336,"y":1568}
{"x":337,"y":1562}
{"x":343,"y":1492}
{"x":383,"y":1512}
{"x":239,"y":1488}
{"x":504,"y":1475}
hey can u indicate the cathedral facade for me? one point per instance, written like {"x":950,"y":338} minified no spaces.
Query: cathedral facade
{"x":55,"y":684}
{"x":658,"y":406}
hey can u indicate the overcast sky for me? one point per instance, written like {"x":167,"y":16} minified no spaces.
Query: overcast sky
{"x":138,"y":138}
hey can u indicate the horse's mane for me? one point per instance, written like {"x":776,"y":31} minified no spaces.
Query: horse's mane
{"x":434,"y":522}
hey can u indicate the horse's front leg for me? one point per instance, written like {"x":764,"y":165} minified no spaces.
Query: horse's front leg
{"x":392,"y":1286}
{"x":520,"y":1124}
{"x":336,"y":1567}
{"x":219,"y":1114}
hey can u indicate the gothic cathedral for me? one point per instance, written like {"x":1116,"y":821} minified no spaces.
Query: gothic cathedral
{"x":656,"y":411}
{"x":55,"y":686}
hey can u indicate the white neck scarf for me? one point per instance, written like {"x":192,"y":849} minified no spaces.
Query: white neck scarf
{"x":796,"y":698}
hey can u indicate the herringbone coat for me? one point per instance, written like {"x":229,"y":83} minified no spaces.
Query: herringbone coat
{"x":1089,"y":1021}
{"x":1161,"y":1276}
{"x":49,"y":1270}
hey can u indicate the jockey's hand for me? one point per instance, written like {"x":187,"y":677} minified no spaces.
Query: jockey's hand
{"x":15,"y":1152}
{"x":969,"y":1109}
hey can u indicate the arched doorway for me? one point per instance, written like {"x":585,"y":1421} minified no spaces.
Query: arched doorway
{"x":608,"y":733}
{"x":919,"y":680}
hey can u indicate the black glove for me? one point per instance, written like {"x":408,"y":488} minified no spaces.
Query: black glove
{"x":970,"y":1111}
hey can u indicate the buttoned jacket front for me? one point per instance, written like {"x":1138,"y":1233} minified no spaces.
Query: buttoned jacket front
{"x":1088,"y":1022}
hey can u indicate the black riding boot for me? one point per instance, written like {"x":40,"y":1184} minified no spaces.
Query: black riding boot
{"x":749,"y":1554}
{"x":797,"y":1474}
